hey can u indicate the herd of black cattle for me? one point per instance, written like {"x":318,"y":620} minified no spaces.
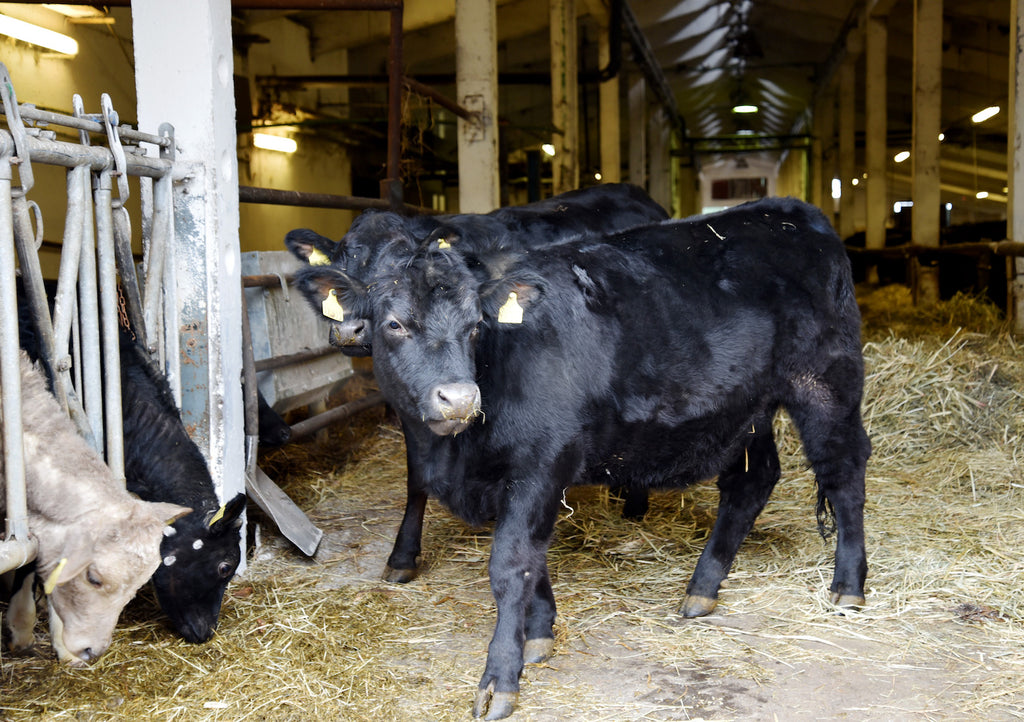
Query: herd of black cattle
{"x":584,"y":339}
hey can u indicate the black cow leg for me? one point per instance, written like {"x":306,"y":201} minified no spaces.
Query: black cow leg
{"x":838,"y":450}
{"x":522,"y":594}
{"x":635,"y":502}
{"x":401,"y":565}
{"x":540,"y":620}
{"x":744,"y":489}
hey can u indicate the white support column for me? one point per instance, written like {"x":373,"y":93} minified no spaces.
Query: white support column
{"x":476,"y":81}
{"x":1015,"y":174}
{"x":638,"y":130}
{"x":565,"y":166}
{"x":195,"y":93}
{"x":876,"y":205}
{"x":927,"y":107}
{"x":847,"y":144}
{"x":610,"y":131}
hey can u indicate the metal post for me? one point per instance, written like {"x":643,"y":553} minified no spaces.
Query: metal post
{"x":10,"y":370}
{"x":107,"y":265}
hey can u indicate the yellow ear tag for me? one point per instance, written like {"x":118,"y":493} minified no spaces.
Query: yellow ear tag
{"x":318,"y":258}
{"x":511,"y":312}
{"x":331,"y":308}
{"x":51,"y":581}
{"x":220,"y":512}
{"x":442,"y":243}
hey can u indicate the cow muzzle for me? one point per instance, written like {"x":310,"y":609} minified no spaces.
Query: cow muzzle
{"x":452,"y":408}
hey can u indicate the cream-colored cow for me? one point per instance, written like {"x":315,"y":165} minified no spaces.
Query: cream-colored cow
{"x":97,"y":543}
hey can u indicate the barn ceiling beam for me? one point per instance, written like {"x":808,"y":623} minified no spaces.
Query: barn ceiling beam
{"x":644,"y":56}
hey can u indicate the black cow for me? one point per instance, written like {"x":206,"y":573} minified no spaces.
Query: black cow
{"x":201,"y":551}
{"x":598,"y":209}
{"x":657,"y":357}
{"x":490,"y":241}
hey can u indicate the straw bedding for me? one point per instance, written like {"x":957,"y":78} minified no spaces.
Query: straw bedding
{"x":942,"y":636}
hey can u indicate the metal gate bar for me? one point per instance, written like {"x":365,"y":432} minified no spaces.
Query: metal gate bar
{"x":96,"y":248}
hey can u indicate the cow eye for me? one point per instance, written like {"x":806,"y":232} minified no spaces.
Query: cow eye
{"x":93,"y":578}
{"x":224,"y":570}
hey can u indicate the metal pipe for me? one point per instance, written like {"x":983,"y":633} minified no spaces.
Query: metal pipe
{"x":275,"y":196}
{"x":17,"y":552}
{"x":64,"y":304}
{"x":88,"y":303}
{"x":107,"y":265}
{"x":10,"y":364}
{"x":265,"y":280}
{"x":160,"y":238}
{"x":70,"y":155}
{"x":129,"y":279}
{"x":339,"y":413}
{"x":276,"y":362}
{"x":125,"y":131}
{"x":428,"y":92}
{"x":35,"y":292}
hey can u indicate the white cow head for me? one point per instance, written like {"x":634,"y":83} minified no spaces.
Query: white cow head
{"x":101,"y":564}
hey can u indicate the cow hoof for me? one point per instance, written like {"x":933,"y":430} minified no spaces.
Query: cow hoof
{"x":537,"y":650}
{"x":497,"y":705}
{"x":694,"y":606}
{"x":399,"y":576}
{"x":850,"y":601}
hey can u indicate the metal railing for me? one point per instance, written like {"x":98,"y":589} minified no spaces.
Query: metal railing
{"x":95,"y":259}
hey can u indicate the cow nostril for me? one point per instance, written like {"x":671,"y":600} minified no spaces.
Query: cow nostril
{"x":87,"y":654}
{"x":459,"y":399}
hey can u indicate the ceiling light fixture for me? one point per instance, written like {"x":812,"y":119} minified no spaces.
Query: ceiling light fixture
{"x":901,"y":156}
{"x":35,"y":35}
{"x":274,"y":142}
{"x":744,"y":108}
{"x":982,"y":115}
{"x":549,"y":149}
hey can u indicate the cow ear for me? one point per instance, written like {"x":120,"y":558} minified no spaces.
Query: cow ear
{"x":75,"y":556}
{"x":326,"y":287}
{"x":443,"y":237}
{"x":228,"y":517}
{"x":510,"y":301}
{"x":310,"y":247}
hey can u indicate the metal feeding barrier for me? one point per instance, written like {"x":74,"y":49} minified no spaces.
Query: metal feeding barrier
{"x":78,"y":341}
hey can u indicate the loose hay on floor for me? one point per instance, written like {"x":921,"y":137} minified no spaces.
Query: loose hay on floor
{"x":942,"y":636}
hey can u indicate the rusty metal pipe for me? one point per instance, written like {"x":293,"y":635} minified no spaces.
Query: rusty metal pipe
{"x":428,"y":92}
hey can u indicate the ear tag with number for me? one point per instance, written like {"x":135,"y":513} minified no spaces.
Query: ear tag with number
{"x":442,"y":243}
{"x":331,"y":308}
{"x":511,"y":312}
{"x":318,"y":258}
